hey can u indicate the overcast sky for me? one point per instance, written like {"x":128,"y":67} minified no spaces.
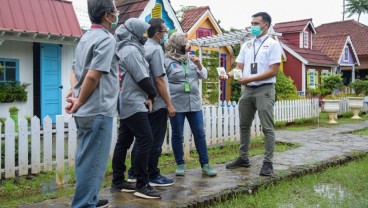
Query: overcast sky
{"x":237,"y":13}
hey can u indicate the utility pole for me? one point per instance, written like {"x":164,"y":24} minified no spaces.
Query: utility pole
{"x":343,"y":10}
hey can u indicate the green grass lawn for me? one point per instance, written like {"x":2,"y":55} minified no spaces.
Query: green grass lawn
{"x":341,"y":187}
{"x":21,"y":190}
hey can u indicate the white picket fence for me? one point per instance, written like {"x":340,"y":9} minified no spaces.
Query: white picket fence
{"x":48,"y":148}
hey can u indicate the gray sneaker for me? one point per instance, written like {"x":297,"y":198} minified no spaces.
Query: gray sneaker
{"x":239,"y":162}
{"x":180,"y":170}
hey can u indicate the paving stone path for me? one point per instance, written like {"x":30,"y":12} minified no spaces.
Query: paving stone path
{"x":317,"y":147}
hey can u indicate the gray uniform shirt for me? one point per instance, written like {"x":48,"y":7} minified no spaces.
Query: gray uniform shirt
{"x":96,"y":51}
{"x":184,"y":101}
{"x":155,"y":58}
{"x":134,"y":68}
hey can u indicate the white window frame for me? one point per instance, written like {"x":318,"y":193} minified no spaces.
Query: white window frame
{"x":324,"y":73}
{"x":346,"y":54}
{"x":312,"y":78}
{"x":305,"y":39}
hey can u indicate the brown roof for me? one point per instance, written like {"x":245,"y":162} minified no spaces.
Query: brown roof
{"x":331,"y":45}
{"x":191,"y":16}
{"x":130,"y":8}
{"x":357,"y":31}
{"x":54,"y":17}
{"x":314,"y":57}
{"x":291,"y":27}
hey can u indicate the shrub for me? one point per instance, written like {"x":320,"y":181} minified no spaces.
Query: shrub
{"x":331,"y":83}
{"x":279,"y":124}
{"x":360,"y":87}
{"x":13,"y":91}
{"x":13,"y":109}
{"x":348,"y":114}
{"x":285,"y":89}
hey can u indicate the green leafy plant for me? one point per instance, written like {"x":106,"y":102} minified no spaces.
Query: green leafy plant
{"x":210,"y":92}
{"x":360,"y":87}
{"x":13,"y":91}
{"x":331,"y":83}
{"x":285,"y":89}
{"x":1,"y":68}
{"x":313,"y":92}
{"x":13,"y":109}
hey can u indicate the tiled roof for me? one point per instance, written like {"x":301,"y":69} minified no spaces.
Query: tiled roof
{"x":291,"y":27}
{"x":357,"y":31}
{"x":130,"y":8}
{"x":331,"y":45}
{"x":54,"y":17}
{"x":191,"y":16}
{"x":314,"y":57}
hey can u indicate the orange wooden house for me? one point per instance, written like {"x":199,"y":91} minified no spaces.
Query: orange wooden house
{"x":199,"y":23}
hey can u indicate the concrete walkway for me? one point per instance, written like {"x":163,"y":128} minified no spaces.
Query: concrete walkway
{"x":317,"y":147}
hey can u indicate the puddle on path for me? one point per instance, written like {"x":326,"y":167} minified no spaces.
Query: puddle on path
{"x":331,"y":191}
{"x":49,"y":186}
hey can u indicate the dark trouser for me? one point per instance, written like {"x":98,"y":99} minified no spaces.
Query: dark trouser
{"x":261,"y":99}
{"x":136,"y":126}
{"x":158,"y":122}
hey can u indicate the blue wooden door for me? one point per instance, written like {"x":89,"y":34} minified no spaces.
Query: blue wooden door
{"x":50,"y":81}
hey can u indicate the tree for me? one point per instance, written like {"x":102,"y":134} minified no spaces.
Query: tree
{"x":356,"y":7}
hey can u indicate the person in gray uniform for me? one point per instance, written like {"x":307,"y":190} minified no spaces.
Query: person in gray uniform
{"x":259,"y":60}
{"x":163,"y":107}
{"x":92,"y":101}
{"x":184,"y":73}
{"x":135,"y":102}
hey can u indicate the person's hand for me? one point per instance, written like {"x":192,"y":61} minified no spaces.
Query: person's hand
{"x":171,"y":110}
{"x":195,"y":60}
{"x":73,"y":105}
{"x":149,"y":104}
{"x":223,"y":77}
{"x":244,"y":80}
{"x":70,"y":93}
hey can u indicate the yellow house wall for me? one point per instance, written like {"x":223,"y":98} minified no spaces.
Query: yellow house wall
{"x":207,"y":23}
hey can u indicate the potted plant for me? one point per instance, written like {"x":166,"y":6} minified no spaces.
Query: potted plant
{"x":360,"y":88}
{"x":13,"y":110}
{"x":330,"y":86}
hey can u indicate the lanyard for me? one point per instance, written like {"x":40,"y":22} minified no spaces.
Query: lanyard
{"x":254,"y":48}
{"x":186,"y":70}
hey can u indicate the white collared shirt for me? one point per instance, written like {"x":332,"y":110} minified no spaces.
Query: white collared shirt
{"x":269,"y":53}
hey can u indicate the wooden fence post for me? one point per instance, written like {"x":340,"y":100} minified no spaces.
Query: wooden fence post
{"x":9,"y":148}
{"x":35,"y":145}
{"x":60,"y":159}
{"x":23,"y":147}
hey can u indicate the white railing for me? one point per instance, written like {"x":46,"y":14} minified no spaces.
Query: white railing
{"x":37,"y":148}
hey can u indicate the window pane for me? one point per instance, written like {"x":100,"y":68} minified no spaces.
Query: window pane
{"x":10,"y":74}
{"x":11,"y":64}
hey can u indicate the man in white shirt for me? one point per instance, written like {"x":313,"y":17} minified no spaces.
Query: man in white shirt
{"x":259,"y":60}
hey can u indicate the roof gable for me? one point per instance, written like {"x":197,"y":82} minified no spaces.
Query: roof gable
{"x":142,"y":9}
{"x":334,"y":45}
{"x":49,"y":17}
{"x":294,"y":26}
{"x":357,"y":31}
{"x":191,"y":16}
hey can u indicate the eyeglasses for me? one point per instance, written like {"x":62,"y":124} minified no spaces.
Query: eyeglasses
{"x":163,"y":31}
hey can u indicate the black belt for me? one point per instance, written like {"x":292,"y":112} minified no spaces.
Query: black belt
{"x":256,"y":86}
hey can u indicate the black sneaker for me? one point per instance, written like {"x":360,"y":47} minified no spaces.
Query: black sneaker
{"x":239,"y":162}
{"x":102,"y":203}
{"x":147,"y":192}
{"x":123,"y":187}
{"x":267,"y":169}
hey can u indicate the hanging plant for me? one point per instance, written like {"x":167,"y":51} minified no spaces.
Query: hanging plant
{"x":13,"y":91}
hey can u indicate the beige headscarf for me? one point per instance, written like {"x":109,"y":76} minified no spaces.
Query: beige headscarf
{"x":173,"y":47}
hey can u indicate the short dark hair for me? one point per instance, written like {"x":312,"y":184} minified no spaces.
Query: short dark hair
{"x":155,"y":26}
{"x":97,"y":9}
{"x":265,"y":17}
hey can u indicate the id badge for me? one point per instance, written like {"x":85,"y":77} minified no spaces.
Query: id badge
{"x":253,"y":68}
{"x":186,"y":87}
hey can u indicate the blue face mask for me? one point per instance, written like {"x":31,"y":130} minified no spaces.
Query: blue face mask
{"x":115,"y":24}
{"x":164,"y":39}
{"x":256,"y":30}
